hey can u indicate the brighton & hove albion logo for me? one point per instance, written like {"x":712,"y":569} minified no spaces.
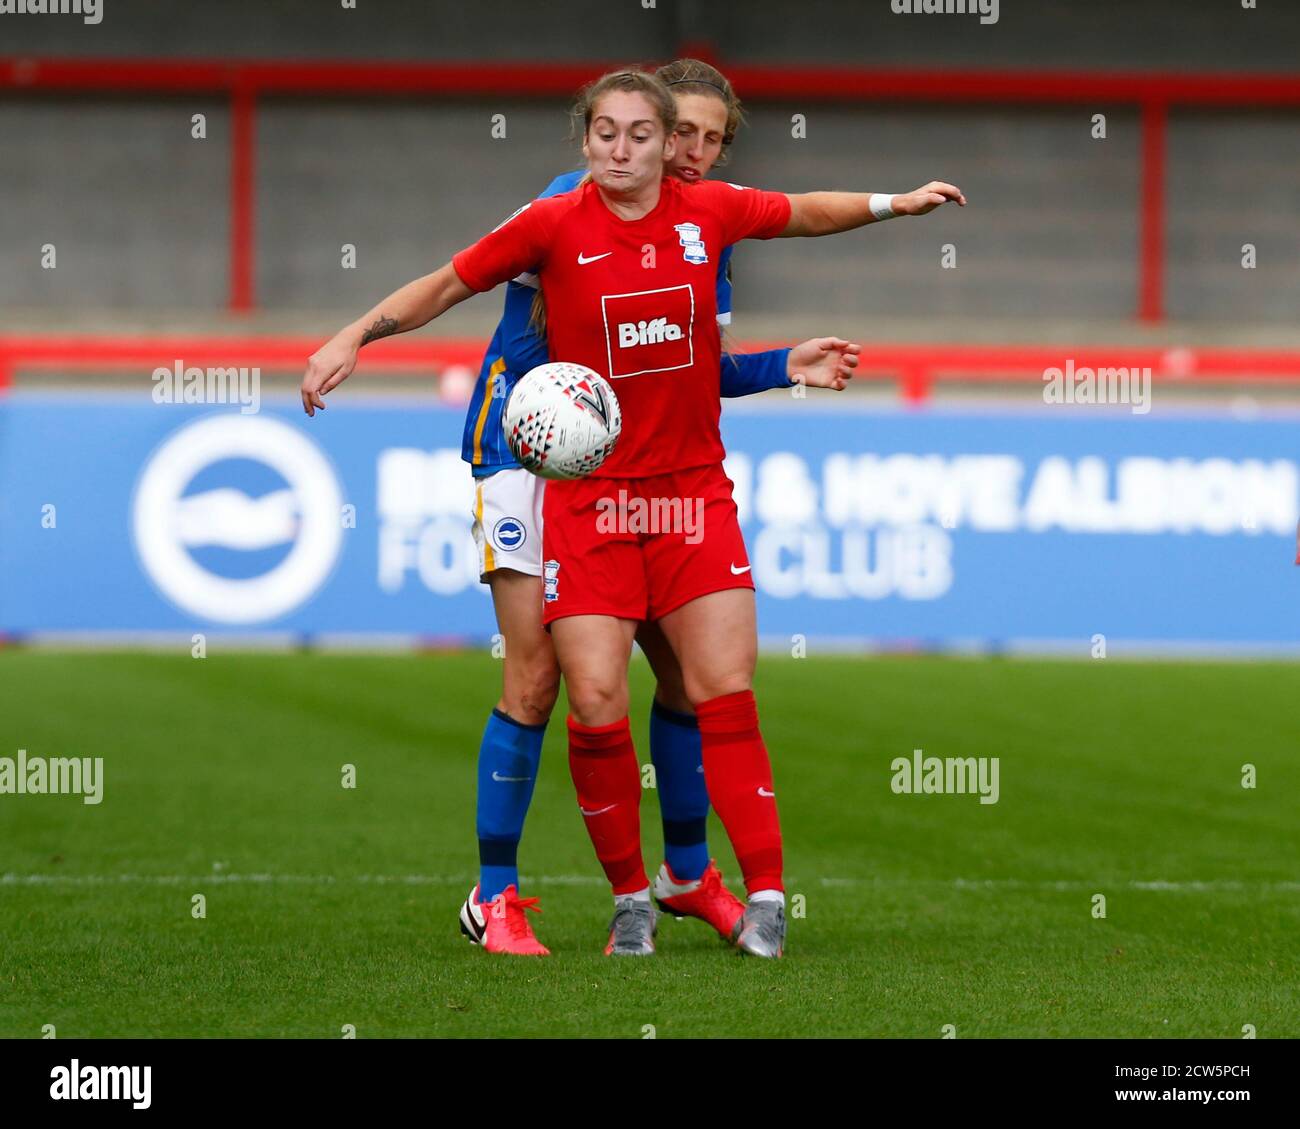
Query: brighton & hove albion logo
{"x":509,"y":534}
{"x":237,"y":519}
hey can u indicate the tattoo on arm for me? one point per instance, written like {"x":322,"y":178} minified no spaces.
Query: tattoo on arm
{"x":383,"y":327}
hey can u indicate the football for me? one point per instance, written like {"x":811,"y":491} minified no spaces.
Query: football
{"x":562,"y":420}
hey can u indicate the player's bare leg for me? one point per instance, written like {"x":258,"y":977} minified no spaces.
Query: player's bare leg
{"x":530,"y":672}
{"x":670,"y":689}
{"x":715,"y":638}
{"x":494,"y":915}
{"x":594,"y":651}
{"x":689,"y":883}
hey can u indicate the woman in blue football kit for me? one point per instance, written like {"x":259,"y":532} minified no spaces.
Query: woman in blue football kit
{"x":507,"y":529}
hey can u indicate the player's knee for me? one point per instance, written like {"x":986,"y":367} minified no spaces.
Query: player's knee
{"x":706,"y":688}
{"x":531,"y":688}
{"x":541,"y":690}
{"x":597,"y":701}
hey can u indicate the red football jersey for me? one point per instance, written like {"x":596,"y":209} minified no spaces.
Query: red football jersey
{"x":636,"y":301}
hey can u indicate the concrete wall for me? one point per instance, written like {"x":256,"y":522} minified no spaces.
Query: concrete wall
{"x":1234,"y":180}
{"x":137,"y":209}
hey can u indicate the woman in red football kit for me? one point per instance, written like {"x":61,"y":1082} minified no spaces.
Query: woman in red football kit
{"x":624,"y":268}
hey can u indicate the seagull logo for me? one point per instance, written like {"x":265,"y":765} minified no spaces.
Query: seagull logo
{"x":216,"y":541}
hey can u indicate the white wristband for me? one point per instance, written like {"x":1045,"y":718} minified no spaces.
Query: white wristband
{"x":881,"y":205}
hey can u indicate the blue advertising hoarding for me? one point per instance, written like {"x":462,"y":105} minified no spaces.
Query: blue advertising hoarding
{"x":938,"y":528}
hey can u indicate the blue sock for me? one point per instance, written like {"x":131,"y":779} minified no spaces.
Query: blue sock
{"x":507,"y":769}
{"x":683,"y":798}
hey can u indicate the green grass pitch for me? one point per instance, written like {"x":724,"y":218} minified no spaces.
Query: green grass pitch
{"x":328,"y":906}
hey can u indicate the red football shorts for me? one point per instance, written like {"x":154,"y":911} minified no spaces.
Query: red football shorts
{"x":639,"y":548}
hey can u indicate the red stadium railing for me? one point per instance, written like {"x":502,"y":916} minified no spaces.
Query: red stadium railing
{"x":915,"y":367}
{"x":245,"y":82}
{"x":405,"y":355}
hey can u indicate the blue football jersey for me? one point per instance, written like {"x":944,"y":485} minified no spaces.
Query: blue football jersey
{"x":483,"y":444}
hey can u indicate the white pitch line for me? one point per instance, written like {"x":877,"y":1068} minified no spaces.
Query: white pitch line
{"x":219,"y":878}
{"x":1193,"y":886}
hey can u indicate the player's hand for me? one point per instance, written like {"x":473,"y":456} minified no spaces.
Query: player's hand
{"x":327,"y":368}
{"x":926,"y":198}
{"x":823,"y":362}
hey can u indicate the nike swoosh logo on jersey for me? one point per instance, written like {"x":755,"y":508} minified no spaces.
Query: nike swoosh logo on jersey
{"x":737,"y":571}
{"x":764,"y":792}
{"x":583,"y":260}
{"x":597,"y":811}
{"x":509,"y":779}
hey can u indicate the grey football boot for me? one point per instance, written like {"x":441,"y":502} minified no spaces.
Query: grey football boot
{"x":762,"y":929}
{"x":632,"y":930}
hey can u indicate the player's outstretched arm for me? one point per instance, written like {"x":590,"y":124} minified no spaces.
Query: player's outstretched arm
{"x":828,"y":213}
{"x":415,"y":304}
{"x":821,"y":362}
{"x":745,"y":374}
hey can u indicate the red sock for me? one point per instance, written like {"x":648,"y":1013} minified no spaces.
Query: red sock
{"x":608,"y":779}
{"x":738,"y":774}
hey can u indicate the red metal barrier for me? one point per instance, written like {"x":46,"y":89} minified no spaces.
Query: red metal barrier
{"x":247,"y":81}
{"x":916,"y":367}
{"x":404,"y":355}
{"x":243,"y":198}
